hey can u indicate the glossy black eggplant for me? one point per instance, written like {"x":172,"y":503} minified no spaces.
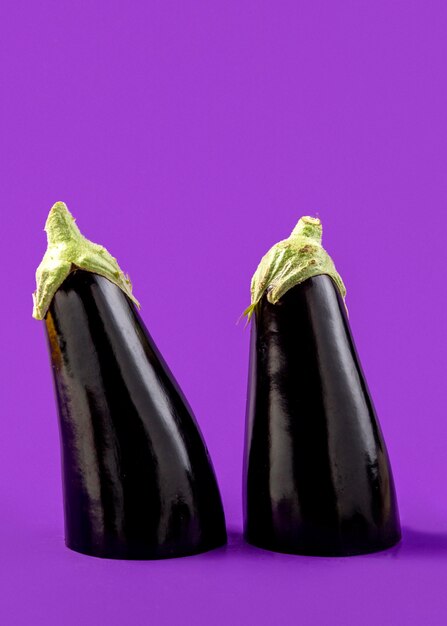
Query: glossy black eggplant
{"x":317,"y":475}
{"x":137,"y":479}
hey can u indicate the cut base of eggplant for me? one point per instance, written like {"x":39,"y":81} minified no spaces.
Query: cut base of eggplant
{"x":321,"y":551}
{"x":137,"y":478}
{"x":141,"y":553}
{"x":317,"y":475}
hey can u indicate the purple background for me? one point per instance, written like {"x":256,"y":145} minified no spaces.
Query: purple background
{"x":188,"y":137}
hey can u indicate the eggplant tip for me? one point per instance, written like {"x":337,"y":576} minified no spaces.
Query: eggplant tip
{"x":291,"y":261}
{"x":68,"y":250}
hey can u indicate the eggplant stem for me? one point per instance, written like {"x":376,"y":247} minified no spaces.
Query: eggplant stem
{"x":292,"y":261}
{"x":67,"y":251}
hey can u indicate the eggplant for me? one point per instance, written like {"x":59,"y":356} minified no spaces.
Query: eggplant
{"x":317,"y":476}
{"x":138,"y":482}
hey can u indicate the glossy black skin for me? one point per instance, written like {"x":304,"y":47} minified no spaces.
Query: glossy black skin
{"x":137,"y":479}
{"x":317,"y":475}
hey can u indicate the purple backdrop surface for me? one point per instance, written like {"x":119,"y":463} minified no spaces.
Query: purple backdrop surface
{"x":188,"y":138}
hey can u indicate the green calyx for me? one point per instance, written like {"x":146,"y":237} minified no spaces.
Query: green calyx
{"x":67,"y":251}
{"x":292,"y":261}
